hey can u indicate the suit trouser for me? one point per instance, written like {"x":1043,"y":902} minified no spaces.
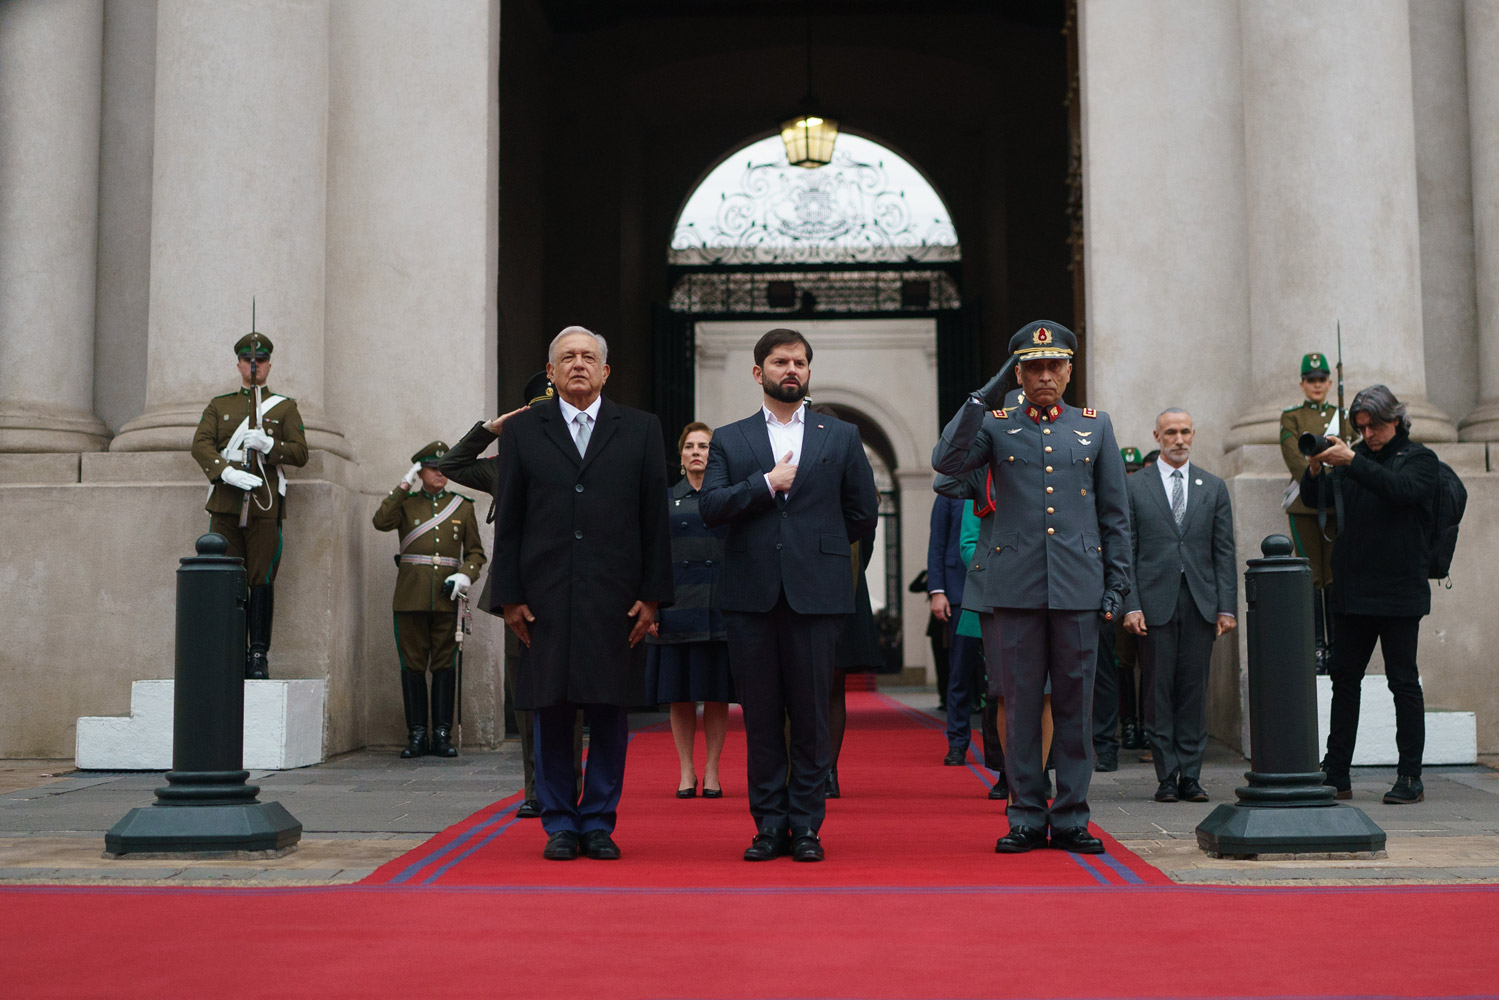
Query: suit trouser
{"x":1106,"y":694}
{"x":258,"y":543}
{"x":782,"y":664}
{"x":1174,"y":660}
{"x":1397,"y":636}
{"x":1030,"y":645}
{"x":603,"y":778}
{"x":965,"y":672}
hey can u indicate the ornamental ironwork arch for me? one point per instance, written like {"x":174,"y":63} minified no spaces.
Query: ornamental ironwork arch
{"x":869,"y":206}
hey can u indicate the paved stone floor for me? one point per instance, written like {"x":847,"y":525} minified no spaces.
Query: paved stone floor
{"x":362,"y":809}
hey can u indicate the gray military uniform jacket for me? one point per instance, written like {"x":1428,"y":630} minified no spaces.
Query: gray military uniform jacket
{"x":1060,"y":535}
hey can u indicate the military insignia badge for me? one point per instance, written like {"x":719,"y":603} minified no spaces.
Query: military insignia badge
{"x":1089,"y":412}
{"x":1042,"y":336}
{"x":999,"y":414}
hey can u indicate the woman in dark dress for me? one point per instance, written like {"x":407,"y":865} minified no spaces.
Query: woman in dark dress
{"x":688,"y":658}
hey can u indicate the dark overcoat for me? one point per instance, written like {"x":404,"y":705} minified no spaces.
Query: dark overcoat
{"x":579,"y":540}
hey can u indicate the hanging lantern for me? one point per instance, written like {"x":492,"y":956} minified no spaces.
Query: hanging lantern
{"x":809,"y":140}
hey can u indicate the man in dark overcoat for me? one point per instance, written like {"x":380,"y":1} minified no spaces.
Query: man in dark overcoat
{"x":582,"y":560}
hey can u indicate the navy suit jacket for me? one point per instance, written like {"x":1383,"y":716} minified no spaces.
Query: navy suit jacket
{"x":799,"y":544}
{"x":945,"y":569}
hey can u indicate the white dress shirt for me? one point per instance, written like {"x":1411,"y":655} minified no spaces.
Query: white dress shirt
{"x":785,"y":437}
{"x":1166,"y":470}
{"x":570,"y":414}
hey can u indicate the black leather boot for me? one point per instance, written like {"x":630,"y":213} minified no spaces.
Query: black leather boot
{"x":444,"y":685}
{"x":258,"y":614}
{"x":414,"y":696}
{"x":1130,"y":736}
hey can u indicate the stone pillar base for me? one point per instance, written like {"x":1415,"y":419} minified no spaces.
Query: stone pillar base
{"x":171,"y":428}
{"x":51,"y":429}
{"x":1428,"y":424}
{"x":1482,"y":424}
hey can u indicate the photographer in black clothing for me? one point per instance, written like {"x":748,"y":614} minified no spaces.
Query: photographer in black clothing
{"x":1386,"y":485}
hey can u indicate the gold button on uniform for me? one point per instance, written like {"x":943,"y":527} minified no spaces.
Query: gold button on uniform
{"x":1048,"y":449}
{"x":1050,"y":490}
{"x":1051,"y":510}
{"x":1085,"y":492}
{"x":1048,"y":468}
{"x":1046,"y":430}
{"x":1051,"y":531}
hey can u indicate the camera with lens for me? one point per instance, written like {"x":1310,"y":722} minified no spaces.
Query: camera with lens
{"x":1310,"y":444}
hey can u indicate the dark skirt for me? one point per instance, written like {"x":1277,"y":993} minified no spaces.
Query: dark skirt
{"x":688,"y":671}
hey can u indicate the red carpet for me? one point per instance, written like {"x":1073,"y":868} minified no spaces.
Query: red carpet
{"x":904,"y":821}
{"x":912,"y":903}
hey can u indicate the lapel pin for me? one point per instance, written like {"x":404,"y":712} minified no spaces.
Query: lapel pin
{"x":1197,"y":482}
{"x":819,"y":426}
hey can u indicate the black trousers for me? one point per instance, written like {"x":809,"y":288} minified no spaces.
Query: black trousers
{"x":1106,"y":687}
{"x":782,"y":664}
{"x":1174,"y":658}
{"x":1396,"y":635}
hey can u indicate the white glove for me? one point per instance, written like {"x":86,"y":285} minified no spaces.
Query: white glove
{"x":413,"y":476}
{"x":241,"y":479}
{"x":460,"y":582}
{"x":260,"y":441}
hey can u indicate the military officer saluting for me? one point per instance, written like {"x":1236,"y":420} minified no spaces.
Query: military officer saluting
{"x":440,"y":558}
{"x":1056,"y":555}
{"x":242,"y":453}
{"x":1317,"y":416}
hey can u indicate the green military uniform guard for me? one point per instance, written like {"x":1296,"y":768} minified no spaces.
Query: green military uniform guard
{"x":440,"y":558}
{"x":1317,"y":416}
{"x":242,"y":455}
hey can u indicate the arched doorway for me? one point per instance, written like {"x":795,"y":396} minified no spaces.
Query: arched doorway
{"x":863,"y":258}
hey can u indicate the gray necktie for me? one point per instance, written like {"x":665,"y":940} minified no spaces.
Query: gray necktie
{"x":583,"y":431}
{"x":1178,"y":497}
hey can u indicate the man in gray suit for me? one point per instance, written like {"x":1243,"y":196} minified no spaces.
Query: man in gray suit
{"x":1057,"y":555}
{"x":1185,"y":594}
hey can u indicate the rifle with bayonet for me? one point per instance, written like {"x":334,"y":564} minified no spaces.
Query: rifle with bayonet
{"x":250,"y":455}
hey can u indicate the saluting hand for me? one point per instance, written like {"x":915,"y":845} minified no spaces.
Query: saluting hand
{"x":494,"y":426}
{"x":783,"y":475}
{"x":518,"y":617}
{"x":644,"y":613}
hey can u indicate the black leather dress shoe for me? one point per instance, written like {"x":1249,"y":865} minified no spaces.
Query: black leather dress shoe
{"x":1001,"y":788}
{"x":1166,"y":791}
{"x":561,"y":846}
{"x":529,"y":809}
{"x":1076,"y":839}
{"x":955,"y":757}
{"x":1019,"y":840}
{"x":767,"y":846}
{"x":597,"y":844}
{"x":805,"y":846}
{"x":1191,"y":791}
{"x":1107,"y":760}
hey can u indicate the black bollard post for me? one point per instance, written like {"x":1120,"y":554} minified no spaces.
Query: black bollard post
{"x":1285,"y":809}
{"x":206,"y":805}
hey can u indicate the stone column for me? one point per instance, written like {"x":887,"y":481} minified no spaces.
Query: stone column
{"x":1483,"y":110}
{"x":237,"y":210}
{"x":51,"y":58}
{"x":1331,"y":194}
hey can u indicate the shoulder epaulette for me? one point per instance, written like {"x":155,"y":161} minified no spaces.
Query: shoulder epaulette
{"x":1001,"y":414}
{"x":226,"y":395}
{"x":1089,"y":412}
{"x":1293,"y":407}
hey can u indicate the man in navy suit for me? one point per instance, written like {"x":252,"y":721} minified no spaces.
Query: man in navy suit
{"x":945,"y":572}
{"x":795,"y":489}
{"x":1185,"y":595}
